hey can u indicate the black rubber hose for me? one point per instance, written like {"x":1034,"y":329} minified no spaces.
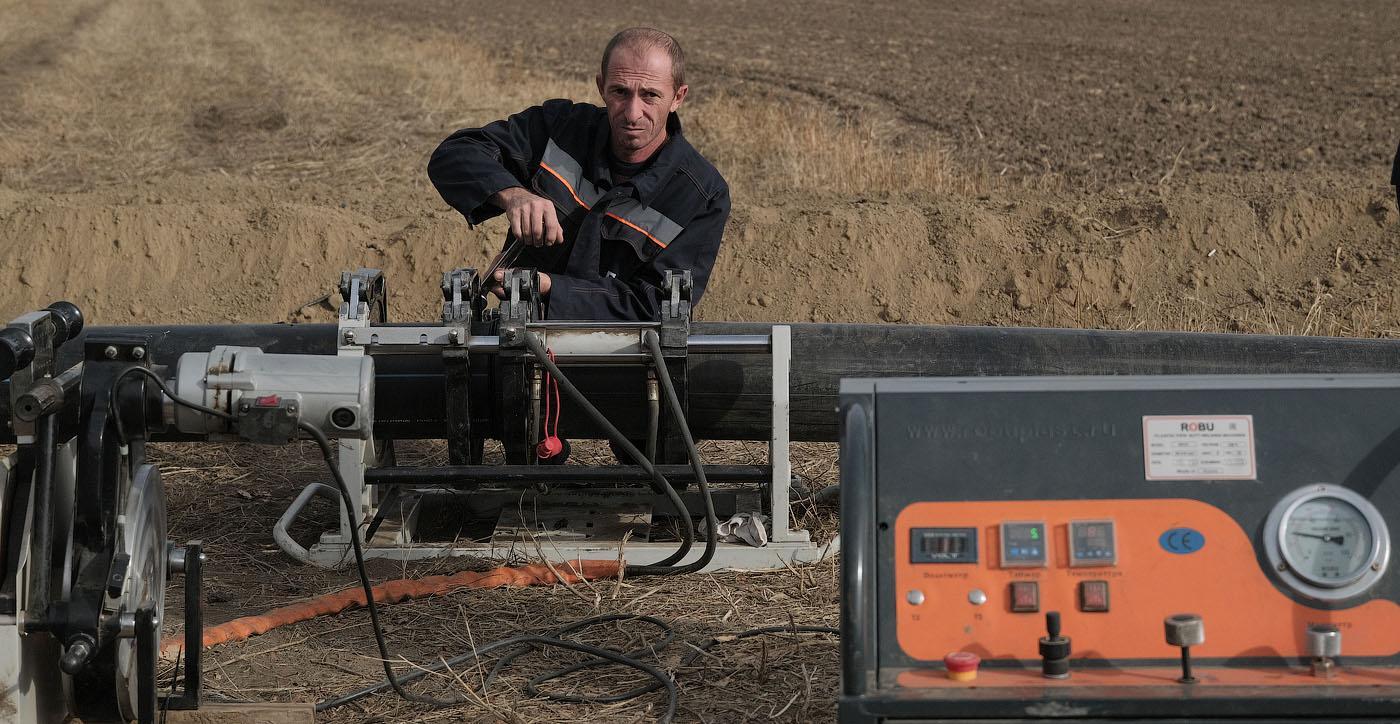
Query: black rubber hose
{"x":661,"y":568}
{"x":673,"y":401}
{"x":532,"y":686}
{"x":699,"y":649}
{"x":662,"y":679}
{"x":164,"y":388}
{"x":41,"y":577}
{"x":375,"y":625}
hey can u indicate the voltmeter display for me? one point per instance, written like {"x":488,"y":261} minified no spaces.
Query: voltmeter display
{"x":1092,"y":543}
{"x":1023,"y":544}
{"x":943,"y":545}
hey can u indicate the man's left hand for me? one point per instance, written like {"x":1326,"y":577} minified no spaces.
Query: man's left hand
{"x":498,"y":284}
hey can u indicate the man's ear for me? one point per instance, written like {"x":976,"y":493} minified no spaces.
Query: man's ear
{"x":680,"y":97}
{"x":599,"y":80}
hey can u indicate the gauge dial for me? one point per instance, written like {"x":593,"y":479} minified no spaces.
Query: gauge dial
{"x":1327,"y":541}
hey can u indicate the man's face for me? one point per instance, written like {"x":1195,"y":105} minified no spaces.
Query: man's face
{"x":639,"y":93}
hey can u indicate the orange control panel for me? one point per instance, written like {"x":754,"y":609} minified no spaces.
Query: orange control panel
{"x":980,"y":576}
{"x":1107,"y":549}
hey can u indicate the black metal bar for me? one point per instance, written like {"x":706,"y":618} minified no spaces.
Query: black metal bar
{"x":41,"y":541}
{"x":146,"y":639}
{"x":858,"y":551}
{"x":194,"y":628}
{"x":457,"y":383}
{"x":16,"y":506}
{"x":557,"y":474}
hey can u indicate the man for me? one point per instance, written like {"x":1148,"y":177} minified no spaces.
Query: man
{"x":607,"y":199}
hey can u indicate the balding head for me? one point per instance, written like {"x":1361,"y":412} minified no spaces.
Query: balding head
{"x":643,"y":39}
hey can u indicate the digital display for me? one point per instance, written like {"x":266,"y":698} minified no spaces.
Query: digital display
{"x":1023,"y":544}
{"x":943,"y":545}
{"x":1092,"y":543}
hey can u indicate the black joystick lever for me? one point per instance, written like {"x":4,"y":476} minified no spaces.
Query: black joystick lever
{"x":1054,"y":649}
{"x":1185,"y":630}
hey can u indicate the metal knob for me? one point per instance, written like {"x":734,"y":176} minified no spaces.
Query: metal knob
{"x":1185,"y":629}
{"x":80,"y":649}
{"x":1324,"y":640}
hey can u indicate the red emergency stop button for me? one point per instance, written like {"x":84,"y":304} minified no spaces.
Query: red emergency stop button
{"x":1093,"y":596}
{"x":1025,"y":596}
{"x":962,"y":665}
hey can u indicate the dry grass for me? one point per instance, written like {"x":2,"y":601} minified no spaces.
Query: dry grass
{"x":769,"y":146}
{"x":241,"y":89}
{"x":229,"y":495}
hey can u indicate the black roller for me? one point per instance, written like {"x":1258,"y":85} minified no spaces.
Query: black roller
{"x":729,"y":394}
{"x":16,"y":351}
{"x":68,"y":318}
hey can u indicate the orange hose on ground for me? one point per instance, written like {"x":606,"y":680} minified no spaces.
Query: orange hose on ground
{"x":537,"y":574}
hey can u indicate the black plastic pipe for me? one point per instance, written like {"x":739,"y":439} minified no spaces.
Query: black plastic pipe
{"x":729,"y":393}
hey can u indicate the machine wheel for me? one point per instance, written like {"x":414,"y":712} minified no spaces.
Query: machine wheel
{"x":110,"y":680}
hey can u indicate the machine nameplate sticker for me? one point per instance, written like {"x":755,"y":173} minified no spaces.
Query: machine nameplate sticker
{"x":1199,"y":447}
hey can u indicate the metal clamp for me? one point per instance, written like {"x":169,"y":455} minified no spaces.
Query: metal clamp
{"x":363,"y":292}
{"x":520,"y":306}
{"x":677,"y":286}
{"x":459,"y":288}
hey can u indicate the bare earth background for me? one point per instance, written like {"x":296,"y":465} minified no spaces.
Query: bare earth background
{"x":1172,"y":165}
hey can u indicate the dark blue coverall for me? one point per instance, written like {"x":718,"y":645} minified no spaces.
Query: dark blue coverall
{"x":619,"y":238}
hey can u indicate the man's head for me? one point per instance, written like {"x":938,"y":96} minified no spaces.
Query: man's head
{"x":642,"y":82}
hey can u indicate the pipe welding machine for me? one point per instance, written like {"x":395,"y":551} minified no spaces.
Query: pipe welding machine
{"x":1089,"y":549}
{"x":83,"y":539}
{"x":85,"y":550}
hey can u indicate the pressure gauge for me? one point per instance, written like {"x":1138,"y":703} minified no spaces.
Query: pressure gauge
{"x":1327,"y":542}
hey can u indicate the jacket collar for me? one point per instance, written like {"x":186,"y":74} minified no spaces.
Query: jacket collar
{"x":649,"y":182}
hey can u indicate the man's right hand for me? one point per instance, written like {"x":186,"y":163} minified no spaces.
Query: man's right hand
{"x":532,"y":218}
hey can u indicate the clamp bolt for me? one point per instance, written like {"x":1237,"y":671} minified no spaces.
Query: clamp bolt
{"x":454,"y":336}
{"x":138,"y":352}
{"x":349,"y":336}
{"x":110,"y":352}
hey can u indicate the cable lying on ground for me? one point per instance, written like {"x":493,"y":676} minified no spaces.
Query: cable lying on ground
{"x":525,"y":644}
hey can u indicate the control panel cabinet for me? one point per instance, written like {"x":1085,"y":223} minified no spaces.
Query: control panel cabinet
{"x":1196,"y":548}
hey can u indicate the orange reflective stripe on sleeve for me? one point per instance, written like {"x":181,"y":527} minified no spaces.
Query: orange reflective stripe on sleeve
{"x":567,"y":185}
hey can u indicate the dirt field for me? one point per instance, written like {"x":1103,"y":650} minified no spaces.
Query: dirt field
{"x":1168,"y":165}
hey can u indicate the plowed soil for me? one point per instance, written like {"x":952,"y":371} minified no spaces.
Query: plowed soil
{"x":1169,"y":165}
